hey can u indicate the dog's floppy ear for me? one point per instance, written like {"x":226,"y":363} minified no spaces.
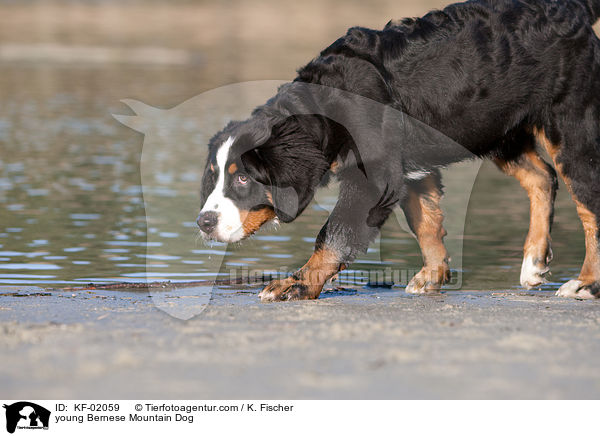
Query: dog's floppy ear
{"x":291,"y":163}
{"x":284,"y":199}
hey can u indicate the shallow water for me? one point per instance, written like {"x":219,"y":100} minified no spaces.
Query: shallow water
{"x":72,"y":211}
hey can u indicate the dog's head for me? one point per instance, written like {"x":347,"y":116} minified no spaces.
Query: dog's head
{"x":261,"y":170}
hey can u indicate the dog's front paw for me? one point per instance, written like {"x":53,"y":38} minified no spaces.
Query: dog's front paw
{"x":533,"y":271}
{"x":288,"y":290}
{"x":577,"y":289}
{"x":428,"y":280}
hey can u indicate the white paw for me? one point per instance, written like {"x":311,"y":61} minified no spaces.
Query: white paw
{"x":420,"y":285}
{"x":569,"y":289}
{"x":415,"y":287}
{"x":575,"y":289}
{"x":532,"y":275}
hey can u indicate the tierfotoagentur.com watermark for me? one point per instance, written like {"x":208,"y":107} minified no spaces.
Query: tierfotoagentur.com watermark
{"x":175,"y":152}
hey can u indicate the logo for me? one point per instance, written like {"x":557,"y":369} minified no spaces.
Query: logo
{"x":175,"y":141}
{"x":26,"y":415}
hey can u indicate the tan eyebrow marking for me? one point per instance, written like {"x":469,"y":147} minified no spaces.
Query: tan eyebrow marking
{"x":232,"y":168}
{"x":212,"y":168}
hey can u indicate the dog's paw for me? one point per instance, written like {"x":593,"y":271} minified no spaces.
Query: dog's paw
{"x":577,"y":289}
{"x":532,"y":273}
{"x":428,"y":281}
{"x":288,"y":290}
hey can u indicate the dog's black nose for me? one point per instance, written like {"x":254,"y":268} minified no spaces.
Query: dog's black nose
{"x":207,"y":221}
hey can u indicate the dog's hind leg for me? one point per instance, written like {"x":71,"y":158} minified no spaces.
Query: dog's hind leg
{"x":580,"y":169}
{"x":539,"y":180}
{"x":424,"y":215}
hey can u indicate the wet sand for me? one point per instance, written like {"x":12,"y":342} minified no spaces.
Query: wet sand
{"x":368,"y":344}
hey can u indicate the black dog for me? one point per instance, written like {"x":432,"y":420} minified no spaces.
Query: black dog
{"x":498,"y":77}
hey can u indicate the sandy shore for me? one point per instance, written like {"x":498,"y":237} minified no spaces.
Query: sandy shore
{"x":371,"y":344}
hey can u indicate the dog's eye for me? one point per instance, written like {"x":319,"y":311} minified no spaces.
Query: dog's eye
{"x":242,"y":179}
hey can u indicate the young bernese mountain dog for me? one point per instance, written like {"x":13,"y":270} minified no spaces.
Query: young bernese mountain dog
{"x":502,"y":78}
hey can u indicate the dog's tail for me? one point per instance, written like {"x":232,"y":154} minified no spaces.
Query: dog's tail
{"x":594,"y":8}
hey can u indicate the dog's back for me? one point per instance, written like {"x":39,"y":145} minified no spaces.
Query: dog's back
{"x":489,"y":65}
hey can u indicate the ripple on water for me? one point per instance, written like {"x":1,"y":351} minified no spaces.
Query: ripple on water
{"x":38,"y":192}
{"x":158,"y":256}
{"x":23,"y":254}
{"x":85,"y":216}
{"x":134,"y":244}
{"x":142,"y":265}
{"x":279,"y":255}
{"x":215,"y":252}
{"x":74,"y":249}
{"x":164,"y":275}
{"x":272,"y":238}
{"x":25,"y":276}
{"x":32,"y":266}
{"x":5,"y":184}
{"x":38,"y":243}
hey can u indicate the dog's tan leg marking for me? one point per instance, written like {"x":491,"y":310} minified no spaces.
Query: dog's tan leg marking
{"x":590,"y":271}
{"x":539,"y":180}
{"x":425,"y":218}
{"x":306,"y":283}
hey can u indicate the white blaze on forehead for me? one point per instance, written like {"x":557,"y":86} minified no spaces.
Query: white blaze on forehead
{"x":222,"y":155}
{"x":229,"y":227}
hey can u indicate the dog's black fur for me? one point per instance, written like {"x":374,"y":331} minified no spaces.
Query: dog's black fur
{"x":495,"y":76}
